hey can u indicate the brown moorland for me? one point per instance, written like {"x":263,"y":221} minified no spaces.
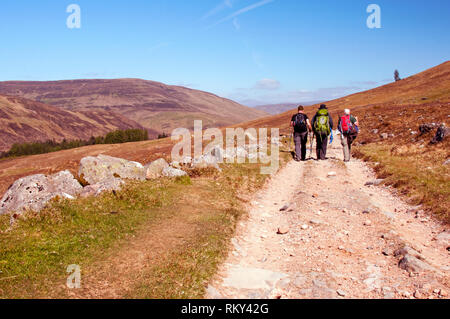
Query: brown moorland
{"x":154,"y":105}
{"x":23,"y":120}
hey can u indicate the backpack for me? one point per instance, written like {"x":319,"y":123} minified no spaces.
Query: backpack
{"x":300,"y":123}
{"x":322,"y":124}
{"x":347,"y":126}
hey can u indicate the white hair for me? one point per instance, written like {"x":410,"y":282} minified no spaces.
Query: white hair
{"x":347,"y":111}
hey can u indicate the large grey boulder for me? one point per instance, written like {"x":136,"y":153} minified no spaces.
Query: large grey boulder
{"x":173,"y":172}
{"x":155,"y":169}
{"x":34,"y":192}
{"x":205,"y":161}
{"x":102,"y":168}
{"x":107,"y":185}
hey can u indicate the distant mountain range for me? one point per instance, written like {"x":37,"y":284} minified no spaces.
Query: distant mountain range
{"x":155,"y":106}
{"x":275,"y":109}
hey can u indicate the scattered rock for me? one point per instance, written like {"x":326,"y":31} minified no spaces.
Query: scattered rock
{"x":384,"y":136}
{"x":443,"y":293}
{"x":425,"y":128}
{"x":375,"y":182}
{"x":305,"y":227}
{"x":283,"y":230}
{"x":367,"y":223}
{"x":107,"y":185}
{"x":447,"y":162}
{"x":441,"y":134}
{"x":206,"y":161}
{"x":34,"y":192}
{"x":285,"y":208}
{"x":387,"y":251}
{"x":406,"y":250}
{"x":331,"y":174}
{"x":173,"y":172}
{"x":413,"y":264}
{"x":315,"y":222}
{"x":155,"y":169}
{"x":98,"y":169}
{"x":341,"y":293}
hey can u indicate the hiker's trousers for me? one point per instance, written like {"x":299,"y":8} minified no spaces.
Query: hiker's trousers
{"x":346,"y":141}
{"x":301,"y":140}
{"x":322,"y":144}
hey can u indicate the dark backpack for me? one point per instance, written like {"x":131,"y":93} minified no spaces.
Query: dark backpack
{"x":300,"y":123}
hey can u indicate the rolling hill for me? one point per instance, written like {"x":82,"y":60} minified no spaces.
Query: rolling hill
{"x":153,"y":105}
{"x":25,"y":120}
{"x":428,"y":91}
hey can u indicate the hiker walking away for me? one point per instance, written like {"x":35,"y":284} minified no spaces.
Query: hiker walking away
{"x":349,"y":128}
{"x":322,"y":126}
{"x":301,"y":125}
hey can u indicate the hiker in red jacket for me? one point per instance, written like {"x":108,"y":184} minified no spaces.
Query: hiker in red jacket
{"x":349,"y":128}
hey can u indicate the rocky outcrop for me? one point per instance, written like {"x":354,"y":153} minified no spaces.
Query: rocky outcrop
{"x":155,"y":169}
{"x":441,"y":134}
{"x":205,"y":161}
{"x":173,"y":172}
{"x":34,"y":192}
{"x":98,"y":188}
{"x":425,"y":128}
{"x":94,"y":170}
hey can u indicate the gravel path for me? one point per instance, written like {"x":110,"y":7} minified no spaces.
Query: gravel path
{"x":318,"y":231}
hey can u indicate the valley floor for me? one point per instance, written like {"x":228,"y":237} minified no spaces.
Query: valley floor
{"x":339,"y":242}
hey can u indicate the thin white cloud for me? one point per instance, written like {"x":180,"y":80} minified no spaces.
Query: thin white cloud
{"x":222,"y":6}
{"x":242,"y":11}
{"x":267,"y":84}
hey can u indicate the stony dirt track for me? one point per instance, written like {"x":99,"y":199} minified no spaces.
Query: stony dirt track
{"x":335,"y":238}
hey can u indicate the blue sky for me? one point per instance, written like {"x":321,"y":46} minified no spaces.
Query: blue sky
{"x":253,"y":51}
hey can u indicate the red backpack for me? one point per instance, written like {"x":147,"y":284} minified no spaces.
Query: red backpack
{"x":347,"y":125}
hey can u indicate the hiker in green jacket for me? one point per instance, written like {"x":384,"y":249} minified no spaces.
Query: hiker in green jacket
{"x":322,"y":126}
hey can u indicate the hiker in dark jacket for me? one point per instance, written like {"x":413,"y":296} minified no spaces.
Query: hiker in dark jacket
{"x":348,"y":126}
{"x":322,"y":126}
{"x":301,"y":125}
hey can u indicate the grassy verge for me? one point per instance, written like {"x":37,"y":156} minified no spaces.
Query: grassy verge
{"x":417,"y":174}
{"x":203,"y":211}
